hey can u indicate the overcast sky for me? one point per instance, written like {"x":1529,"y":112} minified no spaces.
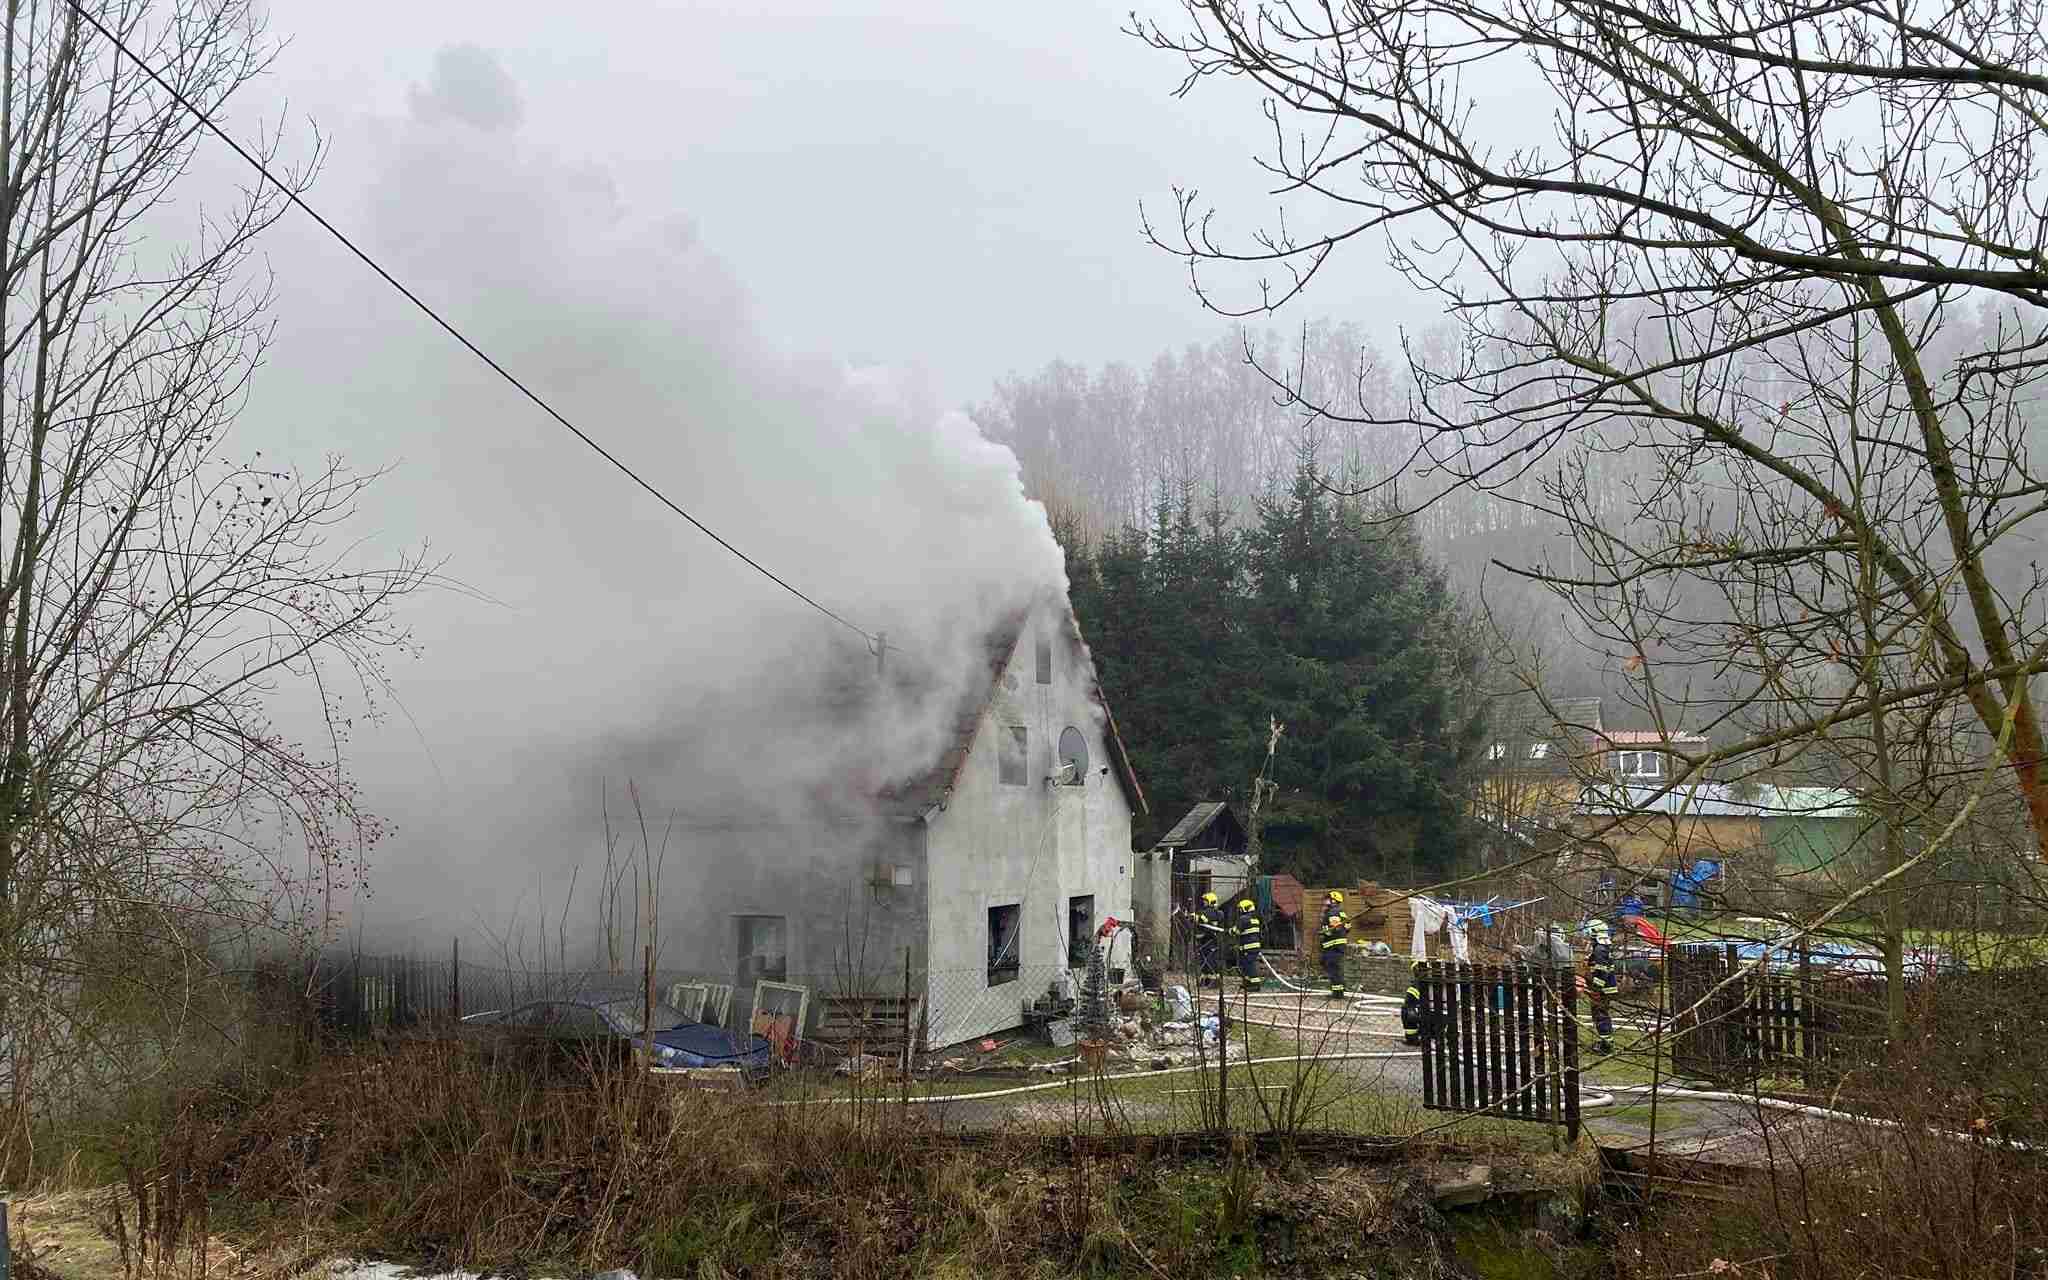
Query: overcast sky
{"x":683,"y":224}
{"x":915,"y":181}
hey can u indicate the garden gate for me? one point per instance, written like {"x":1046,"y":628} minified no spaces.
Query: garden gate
{"x":1501,"y":1040}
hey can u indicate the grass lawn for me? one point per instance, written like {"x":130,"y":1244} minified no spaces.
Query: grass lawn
{"x":1008,"y":1070}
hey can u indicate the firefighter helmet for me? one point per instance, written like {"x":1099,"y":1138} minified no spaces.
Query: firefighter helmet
{"x":1208,"y":899}
{"x":1336,"y":896}
{"x":1246,"y":904}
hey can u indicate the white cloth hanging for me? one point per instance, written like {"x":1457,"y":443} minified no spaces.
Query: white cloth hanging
{"x":1461,"y":950}
{"x":1428,"y":915}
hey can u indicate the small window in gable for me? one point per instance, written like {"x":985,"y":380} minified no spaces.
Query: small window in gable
{"x":1013,"y":755}
{"x":1539,"y":750}
{"x":1044,"y":658}
{"x":1498,"y":751}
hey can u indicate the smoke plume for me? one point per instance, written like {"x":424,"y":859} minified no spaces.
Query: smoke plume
{"x":601,"y":637}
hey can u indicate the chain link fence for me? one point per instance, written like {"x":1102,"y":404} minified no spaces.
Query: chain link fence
{"x":830,"y":1014}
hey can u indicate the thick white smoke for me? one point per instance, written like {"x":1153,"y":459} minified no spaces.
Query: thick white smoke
{"x":611,"y":639}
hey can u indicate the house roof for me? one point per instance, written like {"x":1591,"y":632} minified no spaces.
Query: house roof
{"x":1201,"y":819}
{"x":1529,"y":739}
{"x":915,"y":796}
{"x":1650,"y":737}
{"x":1721,"y":800}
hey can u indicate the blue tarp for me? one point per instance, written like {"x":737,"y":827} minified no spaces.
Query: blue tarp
{"x":1685,"y":886}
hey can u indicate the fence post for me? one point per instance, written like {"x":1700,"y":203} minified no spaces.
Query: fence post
{"x":455,"y":977}
{"x":1222,"y":1055}
{"x":1426,"y":1022}
{"x":906,"y":1029}
{"x":647,"y":1020}
{"x":1805,"y":1026}
{"x":1571,"y":1057}
{"x":1730,"y":1005}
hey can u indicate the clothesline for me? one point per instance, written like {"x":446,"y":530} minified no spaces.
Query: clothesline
{"x":1428,"y":916}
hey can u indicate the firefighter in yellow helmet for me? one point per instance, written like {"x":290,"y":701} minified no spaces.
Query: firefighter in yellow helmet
{"x":1414,"y":1013}
{"x":1210,"y":937}
{"x":1599,"y":983}
{"x":1336,"y":933}
{"x":1248,"y":935}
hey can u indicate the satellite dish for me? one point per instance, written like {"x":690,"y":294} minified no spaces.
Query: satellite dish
{"x":1073,"y":756}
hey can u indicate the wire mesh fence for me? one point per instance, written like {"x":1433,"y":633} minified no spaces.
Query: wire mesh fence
{"x":1018,"y":1026}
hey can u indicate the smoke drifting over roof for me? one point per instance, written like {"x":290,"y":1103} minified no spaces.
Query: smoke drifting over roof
{"x":613,"y":640}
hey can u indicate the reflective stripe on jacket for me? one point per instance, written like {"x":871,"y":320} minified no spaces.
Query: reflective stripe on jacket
{"x":1600,"y":969}
{"x":1336,"y":929}
{"x":1411,"y":1014}
{"x":1248,"y":932}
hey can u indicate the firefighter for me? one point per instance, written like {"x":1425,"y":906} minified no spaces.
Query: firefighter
{"x":1336,"y":934}
{"x":1209,"y":939}
{"x":1248,"y":935}
{"x":1413,"y":1022}
{"x":1600,"y":988}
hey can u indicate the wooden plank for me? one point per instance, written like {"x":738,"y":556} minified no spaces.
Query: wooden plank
{"x":1496,"y":1003}
{"x":1571,"y":1062}
{"x":1467,"y":1068}
{"x":1518,"y":1050}
{"x":1430,"y":1098}
{"x":1443,"y":1029}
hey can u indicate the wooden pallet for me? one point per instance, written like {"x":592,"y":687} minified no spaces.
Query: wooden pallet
{"x":875,"y":1022}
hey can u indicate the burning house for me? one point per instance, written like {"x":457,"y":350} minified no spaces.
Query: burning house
{"x":978,"y":877}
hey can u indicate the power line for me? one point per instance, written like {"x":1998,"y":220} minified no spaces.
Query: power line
{"x":77,"y":6}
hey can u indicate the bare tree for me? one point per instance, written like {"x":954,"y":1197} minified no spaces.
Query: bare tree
{"x":1763,"y":252}
{"x":159,"y":590}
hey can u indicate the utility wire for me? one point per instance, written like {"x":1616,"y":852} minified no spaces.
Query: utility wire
{"x":77,"y":6}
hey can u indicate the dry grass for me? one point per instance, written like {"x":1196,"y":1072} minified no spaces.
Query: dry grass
{"x":1851,"y":1203}
{"x":421,"y":1152}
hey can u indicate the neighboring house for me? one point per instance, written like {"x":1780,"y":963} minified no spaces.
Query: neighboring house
{"x":976,"y":881}
{"x":1602,"y":801}
{"x":1765,"y":833}
{"x":1531,"y":773}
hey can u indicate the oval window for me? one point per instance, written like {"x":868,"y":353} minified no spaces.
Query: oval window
{"x":1073,"y":754}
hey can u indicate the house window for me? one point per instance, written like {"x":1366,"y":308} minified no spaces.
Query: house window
{"x":1080,"y":930}
{"x":1013,"y":754}
{"x":1002,"y":943}
{"x":1638,"y":764}
{"x":1539,"y":750}
{"x":1073,"y":756}
{"x":763,"y":950}
{"x":1498,"y":751}
{"x":1044,"y":659}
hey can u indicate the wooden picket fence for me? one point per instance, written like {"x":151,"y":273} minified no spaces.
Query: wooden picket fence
{"x":1501,"y":1040}
{"x":1732,"y":1027}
